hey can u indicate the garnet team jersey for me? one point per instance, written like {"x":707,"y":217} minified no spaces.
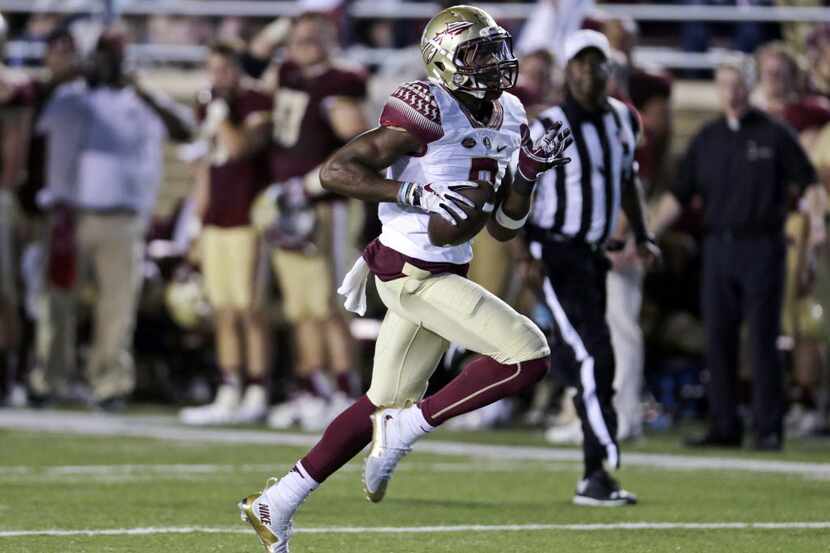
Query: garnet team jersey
{"x":303,"y":136}
{"x":456,"y":148}
{"x":233,"y":183}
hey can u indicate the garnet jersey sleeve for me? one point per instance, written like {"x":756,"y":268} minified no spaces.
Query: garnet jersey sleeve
{"x":413,"y":108}
{"x":347,"y":82}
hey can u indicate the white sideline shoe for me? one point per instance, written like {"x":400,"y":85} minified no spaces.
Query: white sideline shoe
{"x":254,"y":405}
{"x":272,"y":524}
{"x":222,"y":411}
{"x":489,"y":416}
{"x":339,"y":402}
{"x":314,"y":414}
{"x":570,"y":433}
{"x":287,"y":414}
{"x":388,"y":448}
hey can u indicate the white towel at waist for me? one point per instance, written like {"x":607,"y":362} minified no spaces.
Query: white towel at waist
{"x":353,"y":287}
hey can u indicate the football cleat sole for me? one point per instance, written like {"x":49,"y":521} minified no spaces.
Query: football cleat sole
{"x":376,"y":496}
{"x":592,"y":502}
{"x":246,"y":512}
{"x":377,"y":438}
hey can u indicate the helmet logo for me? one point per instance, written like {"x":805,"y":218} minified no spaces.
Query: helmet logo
{"x":453,"y":29}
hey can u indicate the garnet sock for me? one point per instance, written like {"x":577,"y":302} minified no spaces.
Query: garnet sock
{"x":347,"y":434}
{"x":482,"y":382}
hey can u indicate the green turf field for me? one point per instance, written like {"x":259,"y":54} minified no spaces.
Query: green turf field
{"x":181,"y":496}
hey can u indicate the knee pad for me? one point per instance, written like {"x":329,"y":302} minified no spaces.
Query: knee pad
{"x":528,"y":343}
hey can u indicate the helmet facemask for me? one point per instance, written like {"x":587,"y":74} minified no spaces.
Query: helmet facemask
{"x":486,"y":64}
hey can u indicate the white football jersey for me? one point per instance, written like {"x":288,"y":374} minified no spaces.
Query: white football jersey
{"x":457,"y":148}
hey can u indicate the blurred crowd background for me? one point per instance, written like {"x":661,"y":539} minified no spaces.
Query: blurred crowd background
{"x":193,"y":111}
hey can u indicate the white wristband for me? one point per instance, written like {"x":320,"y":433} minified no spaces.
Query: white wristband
{"x":508,"y":222}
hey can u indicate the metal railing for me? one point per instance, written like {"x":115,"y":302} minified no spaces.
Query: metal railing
{"x":411,"y":10}
{"x":193,"y":55}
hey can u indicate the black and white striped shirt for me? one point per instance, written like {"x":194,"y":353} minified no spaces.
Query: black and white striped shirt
{"x":581,"y":200}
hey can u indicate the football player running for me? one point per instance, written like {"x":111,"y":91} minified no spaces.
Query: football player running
{"x":435,"y":138}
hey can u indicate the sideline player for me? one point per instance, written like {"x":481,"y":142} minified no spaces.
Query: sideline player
{"x":434,"y":138}
{"x":228,"y":180}
{"x":317,"y":109}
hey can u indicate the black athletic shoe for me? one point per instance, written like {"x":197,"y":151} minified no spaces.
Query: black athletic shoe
{"x":769,"y":442}
{"x":112,"y":405}
{"x":600,"y":490}
{"x":710,"y":439}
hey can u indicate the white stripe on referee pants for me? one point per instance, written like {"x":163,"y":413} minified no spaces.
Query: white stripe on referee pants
{"x":586,"y":375}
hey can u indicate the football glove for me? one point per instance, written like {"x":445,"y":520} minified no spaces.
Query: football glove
{"x":438,"y":197}
{"x":545,"y":153}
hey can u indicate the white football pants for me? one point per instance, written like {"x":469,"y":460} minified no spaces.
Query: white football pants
{"x":625,"y":298}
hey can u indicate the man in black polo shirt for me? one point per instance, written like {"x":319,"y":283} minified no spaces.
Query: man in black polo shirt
{"x":575,"y":210}
{"x":748,"y":169}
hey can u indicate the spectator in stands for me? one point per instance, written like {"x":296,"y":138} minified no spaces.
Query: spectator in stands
{"x":818,"y":60}
{"x":781,"y":91}
{"x":105,"y":138}
{"x":38,"y":27}
{"x":743,"y":165}
{"x":650,"y":92}
{"x":551,"y":22}
{"x":231,"y":252}
{"x":537,"y":85}
{"x":746,"y":35}
{"x":317,"y":109}
{"x":622,"y":33}
{"x":15,"y":118}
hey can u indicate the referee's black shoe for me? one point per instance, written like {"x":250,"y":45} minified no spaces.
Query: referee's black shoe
{"x":600,"y":490}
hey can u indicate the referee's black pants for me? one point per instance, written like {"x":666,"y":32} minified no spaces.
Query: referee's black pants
{"x":581,"y":351}
{"x":743,"y":281}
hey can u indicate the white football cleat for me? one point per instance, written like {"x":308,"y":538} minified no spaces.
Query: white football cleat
{"x":272,"y":524}
{"x":388,"y":448}
{"x":222,"y":411}
{"x":254,"y":405}
{"x":287,"y":414}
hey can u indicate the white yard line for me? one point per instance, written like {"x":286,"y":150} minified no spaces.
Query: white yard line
{"x":137,"y":472}
{"x":431,"y":529}
{"x":169,"y":429}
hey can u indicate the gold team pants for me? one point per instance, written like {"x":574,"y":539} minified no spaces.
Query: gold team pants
{"x":425,"y":313}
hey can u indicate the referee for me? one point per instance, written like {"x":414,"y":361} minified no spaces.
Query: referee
{"x":575,"y":210}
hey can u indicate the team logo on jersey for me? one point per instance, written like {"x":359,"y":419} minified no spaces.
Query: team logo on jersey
{"x":453,"y":29}
{"x":469,"y":142}
{"x":487,"y":143}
